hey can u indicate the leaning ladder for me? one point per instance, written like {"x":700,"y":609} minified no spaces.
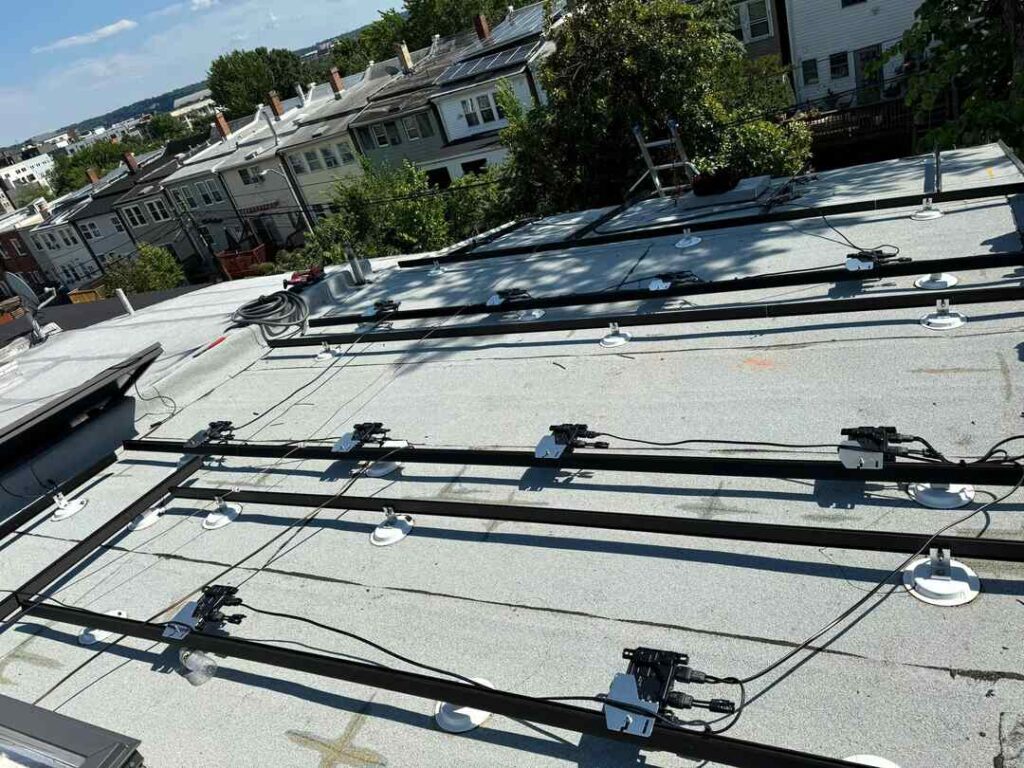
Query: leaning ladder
{"x":678,"y":160}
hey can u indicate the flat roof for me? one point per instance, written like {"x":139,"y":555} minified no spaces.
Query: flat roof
{"x":546,"y":610}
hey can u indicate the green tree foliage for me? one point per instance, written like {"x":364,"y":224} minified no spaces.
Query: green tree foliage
{"x":426,"y":18}
{"x":165,"y":127}
{"x":621,"y":63}
{"x":241,"y":80}
{"x":68,"y":172}
{"x":975,"y":47}
{"x":154,"y":269}
{"x":26,"y":193}
{"x":476,"y":203}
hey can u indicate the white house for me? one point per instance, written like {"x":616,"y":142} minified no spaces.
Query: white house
{"x":31,"y":171}
{"x":835,"y":42}
{"x":58,"y":249}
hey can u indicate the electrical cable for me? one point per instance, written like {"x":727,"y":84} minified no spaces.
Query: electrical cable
{"x":674,"y":443}
{"x":274,"y":314}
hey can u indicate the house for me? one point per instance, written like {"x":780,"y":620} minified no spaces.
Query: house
{"x":193,"y":108}
{"x":761,"y":26}
{"x":400,"y":123}
{"x":152,"y":216}
{"x":32,"y":170}
{"x":321,"y":150}
{"x":15,"y":255}
{"x":58,"y":248}
{"x":836,"y":45}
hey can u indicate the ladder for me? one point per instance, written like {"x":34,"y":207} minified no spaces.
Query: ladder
{"x":678,"y":159}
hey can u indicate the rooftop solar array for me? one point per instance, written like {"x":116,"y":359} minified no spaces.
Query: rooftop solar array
{"x":464,"y":70}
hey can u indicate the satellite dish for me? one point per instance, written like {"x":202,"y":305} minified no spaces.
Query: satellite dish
{"x":28,"y":297}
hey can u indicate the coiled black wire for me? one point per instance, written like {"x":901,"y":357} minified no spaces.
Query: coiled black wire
{"x":274,"y":313}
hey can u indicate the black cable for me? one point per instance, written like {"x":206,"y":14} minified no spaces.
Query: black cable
{"x":715,"y":442}
{"x":274,"y":313}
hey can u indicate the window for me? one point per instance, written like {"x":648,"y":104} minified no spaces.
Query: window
{"x":486,"y":110}
{"x":248,"y":176}
{"x":810,"y":70}
{"x":187,"y":198}
{"x":751,"y":20}
{"x":313,"y":161}
{"x":473,"y":167}
{"x":298,"y":167}
{"x":52,"y":242}
{"x":412,"y":128}
{"x":330,"y":159}
{"x":469,"y":112}
{"x":424,"y":124}
{"x":365,"y":137}
{"x":203,"y":188}
{"x":38,"y":243}
{"x":116,"y":221}
{"x":345,"y":151}
{"x":19,"y":249}
{"x":380,"y":135}
{"x":393,"y":135}
{"x":157,"y":210}
{"x":204,"y":232}
{"x":90,"y":231}
{"x":839,"y":65}
{"x":135,"y":216}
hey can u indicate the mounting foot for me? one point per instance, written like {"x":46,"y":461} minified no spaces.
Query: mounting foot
{"x":437,"y":270}
{"x":688,"y":240}
{"x":871,"y":760}
{"x":456,"y":719}
{"x":223,"y":515}
{"x":943,"y":318}
{"x":327,"y":352}
{"x":392,"y":530}
{"x":615,"y":337}
{"x":927,"y":211}
{"x":524,"y":314}
{"x":147,"y":519}
{"x":939,"y":580}
{"x":378,"y":469}
{"x":197,"y":667}
{"x":67,"y":507}
{"x":941,"y":496}
{"x":89,"y":636}
{"x":936,"y":281}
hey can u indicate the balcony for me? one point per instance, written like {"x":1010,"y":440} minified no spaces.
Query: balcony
{"x":242,"y":263}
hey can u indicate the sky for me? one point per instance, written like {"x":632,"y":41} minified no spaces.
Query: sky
{"x":64,"y":61}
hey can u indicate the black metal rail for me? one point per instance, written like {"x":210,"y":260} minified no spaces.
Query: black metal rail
{"x":94,"y":540}
{"x":840,"y":538}
{"x":894,"y":471}
{"x":715,"y":314}
{"x":750,"y":283}
{"x":27,"y":513}
{"x":690,"y":744}
{"x":699,"y":224}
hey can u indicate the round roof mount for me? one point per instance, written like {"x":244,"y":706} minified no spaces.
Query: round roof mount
{"x":455,"y":719}
{"x":943,"y":321}
{"x":223,"y":515}
{"x":147,"y":519}
{"x":90,"y":636}
{"x":615,"y":337}
{"x":66,"y":509}
{"x":941,"y":496}
{"x":936,"y":282}
{"x":949,"y":586}
{"x":392,"y":530}
{"x":378,"y":469}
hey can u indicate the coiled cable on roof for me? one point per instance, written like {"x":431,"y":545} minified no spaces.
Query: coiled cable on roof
{"x":274,"y":313}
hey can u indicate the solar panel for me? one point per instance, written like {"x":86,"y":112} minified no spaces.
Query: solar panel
{"x":473,"y":67}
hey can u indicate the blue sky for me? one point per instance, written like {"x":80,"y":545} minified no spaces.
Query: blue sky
{"x":69,"y":60}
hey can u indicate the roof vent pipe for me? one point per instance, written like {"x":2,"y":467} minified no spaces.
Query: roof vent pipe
{"x":511,"y":17}
{"x":273,"y":128}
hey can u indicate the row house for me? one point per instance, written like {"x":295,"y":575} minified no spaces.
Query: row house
{"x":58,"y":248}
{"x":14,"y":251}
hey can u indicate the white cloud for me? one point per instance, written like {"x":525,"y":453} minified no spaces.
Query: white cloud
{"x":169,"y":10}
{"x":202,"y":5}
{"x":123,"y":25}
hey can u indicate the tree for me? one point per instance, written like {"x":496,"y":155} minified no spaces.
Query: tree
{"x":154,"y":269}
{"x":164,"y":127}
{"x":69,"y":171}
{"x":975,"y":48}
{"x":241,"y":80}
{"x":621,"y":63}
{"x":26,"y":193}
{"x":426,"y":18}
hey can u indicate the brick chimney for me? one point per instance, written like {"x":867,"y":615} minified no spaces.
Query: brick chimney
{"x":92,"y":174}
{"x":483,"y":28}
{"x":130,"y":161}
{"x":337,"y":83}
{"x":275,"y":104}
{"x":221,"y":122}
{"x":404,"y":57}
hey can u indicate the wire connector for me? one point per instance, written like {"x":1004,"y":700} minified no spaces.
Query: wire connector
{"x":867,"y":260}
{"x":871,"y":447}
{"x":668,"y":280}
{"x":367,"y":432}
{"x":564,"y":438}
{"x":208,"y":609}
{"x":220,"y":431}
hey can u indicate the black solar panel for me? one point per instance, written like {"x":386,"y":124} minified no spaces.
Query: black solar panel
{"x":464,"y":70}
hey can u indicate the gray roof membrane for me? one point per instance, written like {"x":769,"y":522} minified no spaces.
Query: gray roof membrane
{"x":546,"y":610}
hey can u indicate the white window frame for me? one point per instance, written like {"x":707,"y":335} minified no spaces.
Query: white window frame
{"x":743,"y":11}
{"x":312,"y":161}
{"x":297,"y":164}
{"x":412,"y":128}
{"x":380,"y":135}
{"x":248,"y":176}
{"x":136,"y":218}
{"x":157,"y":210}
{"x":831,"y":65}
{"x":470,"y":102}
{"x":485,"y":104}
{"x":186,"y":197}
{"x":346,"y":153}
{"x":803,"y":72}
{"x":19,"y":247}
{"x":38,"y":243}
{"x":66,"y":237}
{"x":330,"y":159}
{"x":90,"y":231}
{"x":116,"y":221}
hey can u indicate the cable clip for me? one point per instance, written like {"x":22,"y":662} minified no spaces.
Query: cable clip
{"x":672,"y":279}
{"x":383,"y":308}
{"x":564,"y":438}
{"x":198,"y":614}
{"x":222,"y":431}
{"x":865,"y":261}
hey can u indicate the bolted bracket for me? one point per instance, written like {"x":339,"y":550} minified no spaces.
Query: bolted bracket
{"x":455,"y":719}
{"x":927,"y":211}
{"x":940,"y":580}
{"x":223,"y":515}
{"x":943,"y":318}
{"x":67,"y":507}
{"x":392,"y":530}
{"x":936,"y":281}
{"x":615,"y":337}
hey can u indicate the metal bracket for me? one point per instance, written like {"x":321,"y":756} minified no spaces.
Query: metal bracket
{"x":671,"y":279}
{"x":563,"y":438}
{"x":508,"y":296}
{"x":623,"y":690}
{"x":360,"y":434}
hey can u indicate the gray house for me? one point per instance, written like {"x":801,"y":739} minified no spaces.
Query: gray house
{"x":399,"y":122}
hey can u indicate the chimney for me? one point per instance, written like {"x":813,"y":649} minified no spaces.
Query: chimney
{"x":483,"y":29}
{"x":275,"y":105}
{"x":404,"y":58}
{"x":337,"y":84}
{"x":131,"y":162}
{"x":223,"y":128}
{"x":93,"y":175}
